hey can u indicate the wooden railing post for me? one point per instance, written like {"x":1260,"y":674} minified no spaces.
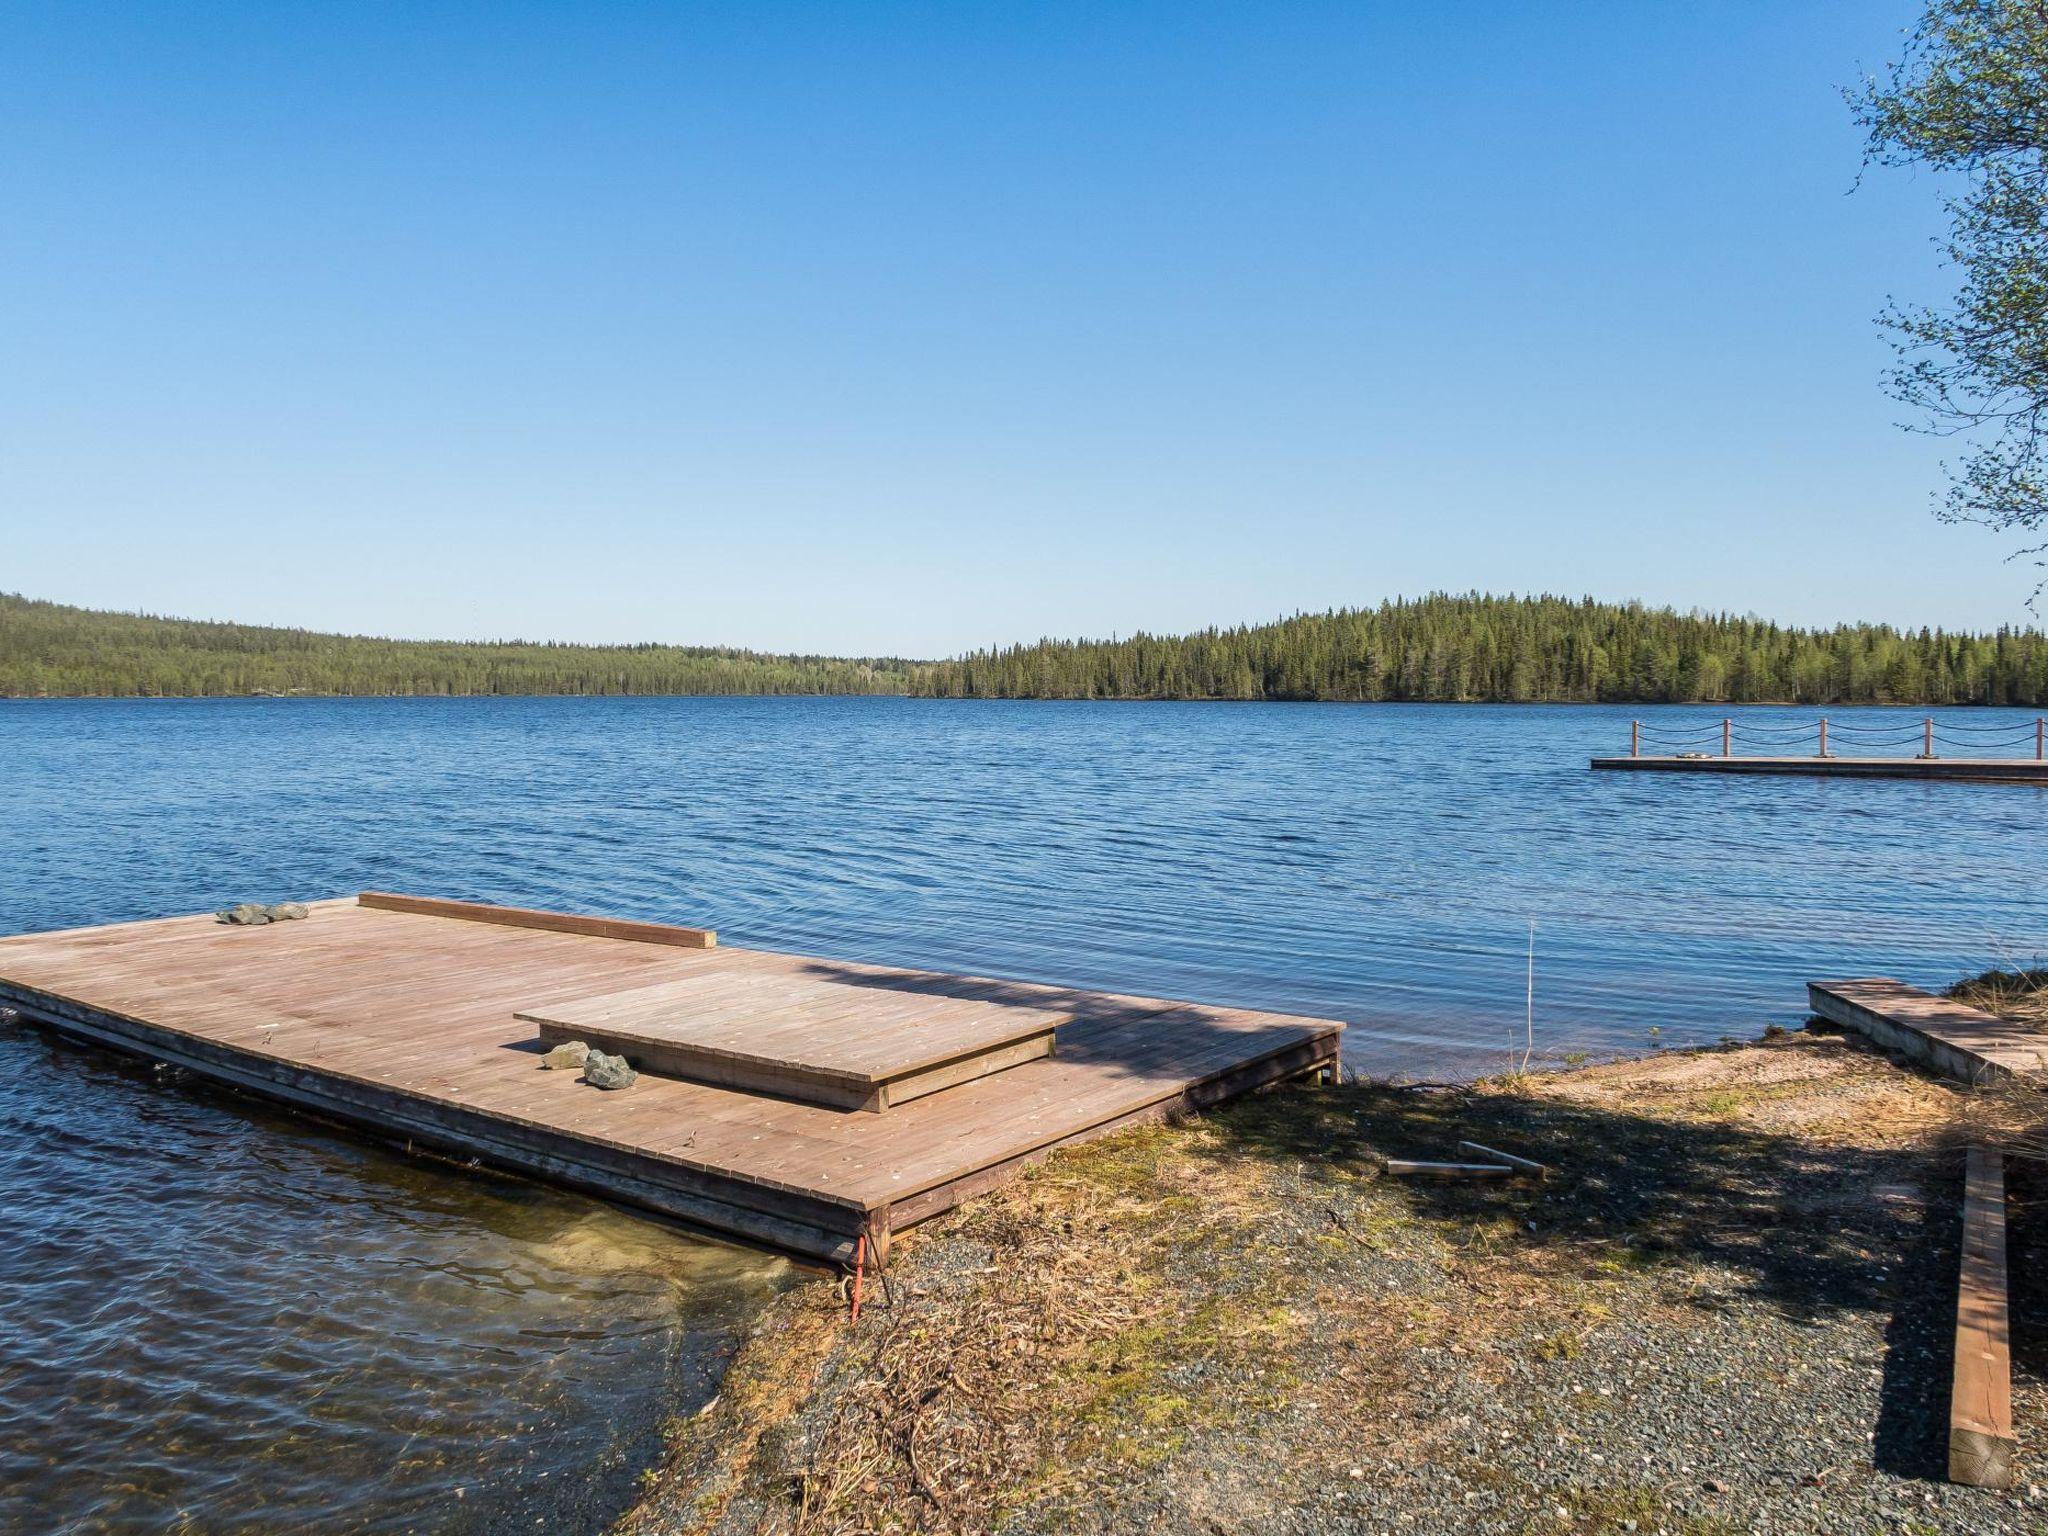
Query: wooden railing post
{"x":1727,"y":732}
{"x":1823,"y":735}
{"x":1635,"y":738}
{"x":1927,"y":736}
{"x":2039,"y":742}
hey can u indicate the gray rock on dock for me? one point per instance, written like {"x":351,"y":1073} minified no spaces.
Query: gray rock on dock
{"x":569,"y":1056}
{"x":254,"y":914}
{"x":602,"y":1071}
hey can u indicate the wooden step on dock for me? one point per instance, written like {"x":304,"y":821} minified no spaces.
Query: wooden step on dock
{"x":794,"y":1102}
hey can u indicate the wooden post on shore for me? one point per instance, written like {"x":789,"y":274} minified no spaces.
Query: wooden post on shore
{"x":1727,"y":731}
{"x":1927,"y":736}
{"x":1823,"y":735}
{"x":1635,"y":738}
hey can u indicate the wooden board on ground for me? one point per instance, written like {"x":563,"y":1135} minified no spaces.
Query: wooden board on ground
{"x":403,"y":1021}
{"x":805,"y":1037}
{"x":1981,"y":1443}
{"x":1953,"y":1038}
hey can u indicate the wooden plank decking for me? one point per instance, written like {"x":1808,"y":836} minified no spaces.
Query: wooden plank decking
{"x":1953,"y":1038}
{"x":406,"y":1022}
{"x":803,"y":1037}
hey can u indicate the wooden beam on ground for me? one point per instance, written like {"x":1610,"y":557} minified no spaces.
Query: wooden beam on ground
{"x":1981,"y":1443}
{"x":1954,"y":1039}
{"x":553,"y":922}
{"x":1403,"y":1168}
{"x":1533,"y":1169}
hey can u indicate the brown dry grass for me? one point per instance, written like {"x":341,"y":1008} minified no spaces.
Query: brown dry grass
{"x":1179,"y":1323}
{"x":2013,"y":1111}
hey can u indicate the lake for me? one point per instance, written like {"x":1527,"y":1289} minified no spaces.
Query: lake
{"x":224,"y":1311}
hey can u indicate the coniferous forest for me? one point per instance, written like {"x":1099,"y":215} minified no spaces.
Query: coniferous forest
{"x":1519,"y":649}
{"x":49,"y":648}
{"x":1441,"y":648}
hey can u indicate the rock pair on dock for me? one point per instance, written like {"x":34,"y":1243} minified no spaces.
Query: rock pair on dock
{"x":598,"y":1069}
{"x":254,"y":914}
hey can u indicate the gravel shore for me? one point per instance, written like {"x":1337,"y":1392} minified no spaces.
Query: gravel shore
{"x":1727,"y":1311}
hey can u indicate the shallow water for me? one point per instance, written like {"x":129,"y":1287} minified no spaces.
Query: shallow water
{"x":220,"y":1310}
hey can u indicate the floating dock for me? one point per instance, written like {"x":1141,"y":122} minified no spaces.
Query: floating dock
{"x":1981,"y":769}
{"x":1942,"y":748}
{"x":799,"y":1103}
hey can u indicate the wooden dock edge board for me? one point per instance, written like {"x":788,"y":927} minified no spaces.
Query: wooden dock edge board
{"x":1950,"y":769}
{"x":1909,"y":1040}
{"x":810,"y":1226}
{"x":553,"y":922}
{"x":1981,"y":1442}
{"x":1301,"y":1059}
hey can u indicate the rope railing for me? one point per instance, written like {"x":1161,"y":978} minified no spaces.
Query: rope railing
{"x":1881,"y":738}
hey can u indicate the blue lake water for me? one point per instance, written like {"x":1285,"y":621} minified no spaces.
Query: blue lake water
{"x":1379,"y":864}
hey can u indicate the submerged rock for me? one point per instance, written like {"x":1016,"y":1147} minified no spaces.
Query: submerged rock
{"x":602,"y":1071}
{"x":568,"y":1056}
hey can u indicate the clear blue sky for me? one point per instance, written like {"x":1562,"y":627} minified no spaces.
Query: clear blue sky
{"x":902,"y":328}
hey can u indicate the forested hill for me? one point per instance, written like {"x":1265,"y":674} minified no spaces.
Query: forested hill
{"x":1434,"y":648}
{"x":48,"y":648}
{"x":1508,"y":648}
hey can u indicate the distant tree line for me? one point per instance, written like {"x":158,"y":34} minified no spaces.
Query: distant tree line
{"x":1440,"y":648}
{"x":1534,"y":649}
{"x":52,"y":649}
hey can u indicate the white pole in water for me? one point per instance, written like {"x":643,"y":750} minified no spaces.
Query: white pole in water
{"x":1529,"y":1010}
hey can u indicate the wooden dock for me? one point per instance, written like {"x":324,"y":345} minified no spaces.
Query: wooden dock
{"x":1983,"y":770}
{"x":1953,"y":1038}
{"x":1977,"y":1048}
{"x":813,"y":1102}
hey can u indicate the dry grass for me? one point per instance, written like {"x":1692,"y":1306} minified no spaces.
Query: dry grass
{"x":2011,"y":1112}
{"x":2020,"y":995}
{"x":1182,"y":1327}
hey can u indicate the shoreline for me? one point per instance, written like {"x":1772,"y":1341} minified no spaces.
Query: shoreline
{"x":1241,"y":1323}
{"x":1036,"y":698}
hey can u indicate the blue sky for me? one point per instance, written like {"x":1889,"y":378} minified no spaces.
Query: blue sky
{"x":904,"y":328}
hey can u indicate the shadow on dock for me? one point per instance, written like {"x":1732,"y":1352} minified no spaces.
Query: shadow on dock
{"x":1117,"y":1036}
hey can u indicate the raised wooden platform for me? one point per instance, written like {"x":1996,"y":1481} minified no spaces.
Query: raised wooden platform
{"x":803,"y":1037}
{"x":1953,"y":1038}
{"x":1979,"y":769}
{"x":404,"y":1019}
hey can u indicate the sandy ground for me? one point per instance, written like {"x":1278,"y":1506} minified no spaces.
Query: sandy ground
{"x":1728,"y":1310}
